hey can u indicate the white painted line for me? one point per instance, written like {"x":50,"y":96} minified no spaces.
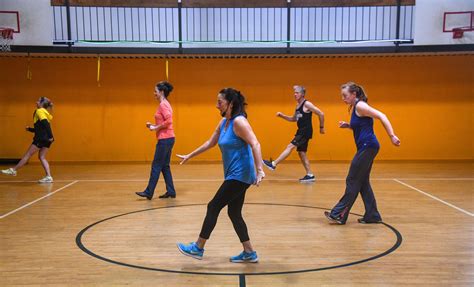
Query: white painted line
{"x":221,"y":179}
{"x":34,"y":201}
{"x":26,"y":181}
{"x":434,"y":197}
{"x":437,"y":178}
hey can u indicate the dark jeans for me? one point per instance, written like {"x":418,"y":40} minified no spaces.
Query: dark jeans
{"x":231,"y":193}
{"x":161,"y":163}
{"x":358,"y":181}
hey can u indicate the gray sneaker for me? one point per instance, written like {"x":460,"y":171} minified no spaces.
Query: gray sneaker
{"x":365,"y":221}
{"x":46,"y":179}
{"x":9,"y":171}
{"x":336,"y":220}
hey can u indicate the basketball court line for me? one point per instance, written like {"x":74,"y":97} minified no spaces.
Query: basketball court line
{"x":34,"y":201}
{"x":221,"y":179}
{"x":434,"y":197}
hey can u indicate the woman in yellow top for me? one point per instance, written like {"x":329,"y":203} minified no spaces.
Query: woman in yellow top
{"x":42,"y":140}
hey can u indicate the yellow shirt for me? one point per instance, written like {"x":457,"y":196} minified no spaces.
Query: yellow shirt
{"x":42,"y":114}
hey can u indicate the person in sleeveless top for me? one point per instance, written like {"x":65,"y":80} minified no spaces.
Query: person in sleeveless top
{"x":358,"y":179}
{"x":165,"y":135}
{"x":42,"y":139}
{"x":242,"y":161}
{"x":303,"y":116}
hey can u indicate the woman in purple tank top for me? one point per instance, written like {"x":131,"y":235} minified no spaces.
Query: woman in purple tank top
{"x":357,"y":181}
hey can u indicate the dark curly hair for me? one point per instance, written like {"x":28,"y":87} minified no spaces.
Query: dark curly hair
{"x":237,"y":100}
{"x":165,"y":87}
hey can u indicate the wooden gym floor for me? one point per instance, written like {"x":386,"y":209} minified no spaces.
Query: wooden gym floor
{"x":427,"y":238}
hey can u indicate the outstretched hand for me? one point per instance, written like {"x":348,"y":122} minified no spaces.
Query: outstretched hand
{"x":184,"y":158}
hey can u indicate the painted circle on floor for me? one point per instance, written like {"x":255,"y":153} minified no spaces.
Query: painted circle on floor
{"x":295,"y":210}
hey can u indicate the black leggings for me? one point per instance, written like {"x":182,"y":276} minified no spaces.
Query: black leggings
{"x":231,"y":193}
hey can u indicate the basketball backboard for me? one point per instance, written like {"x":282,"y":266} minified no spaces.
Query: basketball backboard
{"x":458,"y":23}
{"x":10,"y":19}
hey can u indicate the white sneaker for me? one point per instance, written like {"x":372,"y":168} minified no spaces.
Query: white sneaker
{"x":9,"y":171}
{"x":46,"y":179}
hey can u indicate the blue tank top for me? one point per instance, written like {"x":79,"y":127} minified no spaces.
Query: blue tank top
{"x":363,"y":128}
{"x":236,"y":155}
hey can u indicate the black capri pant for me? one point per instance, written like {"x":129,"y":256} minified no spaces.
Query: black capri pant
{"x":232,"y":194}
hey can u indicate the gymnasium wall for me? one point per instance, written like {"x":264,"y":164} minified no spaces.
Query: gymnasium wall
{"x":427,"y":98}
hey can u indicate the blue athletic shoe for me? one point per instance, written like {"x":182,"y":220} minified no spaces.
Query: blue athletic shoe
{"x":191,"y":250}
{"x":251,"y":257}
{"x":269,"y":164}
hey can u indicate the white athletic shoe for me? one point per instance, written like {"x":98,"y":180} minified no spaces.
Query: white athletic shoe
{"x":9,"y":171}
{"x":46,"y":179}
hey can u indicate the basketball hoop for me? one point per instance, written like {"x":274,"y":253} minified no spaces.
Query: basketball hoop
{"x":6,"y":38}
{"x":458,"y":33}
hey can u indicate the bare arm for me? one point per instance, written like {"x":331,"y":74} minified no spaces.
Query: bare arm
{"x":207,"y":145}
{"x":319,"y":113}
{"x":364,"y":110}
{"x":244,"y":131}
{"x":285,"y":117}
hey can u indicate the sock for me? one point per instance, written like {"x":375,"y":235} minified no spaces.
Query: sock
{"x":310,"y":174}
{"x":273,"y":163}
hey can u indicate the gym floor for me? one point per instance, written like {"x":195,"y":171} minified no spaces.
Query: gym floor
{"x":89,"y":228}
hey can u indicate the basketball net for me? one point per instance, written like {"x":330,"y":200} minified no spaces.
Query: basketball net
{"x":6,"y":38}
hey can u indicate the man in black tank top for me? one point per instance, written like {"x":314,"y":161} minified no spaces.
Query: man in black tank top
{"x":303,"y":116}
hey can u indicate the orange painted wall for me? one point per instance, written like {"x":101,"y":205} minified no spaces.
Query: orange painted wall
{"x":429,"y":100}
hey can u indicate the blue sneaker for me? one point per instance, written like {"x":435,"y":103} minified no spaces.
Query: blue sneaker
{"x":269,"y":164}
{"x":245,"y":257}
{"x":191,"y":250}
{"x":308,"y":178}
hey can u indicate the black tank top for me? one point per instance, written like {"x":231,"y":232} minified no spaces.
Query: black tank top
{"x":305,"y":125}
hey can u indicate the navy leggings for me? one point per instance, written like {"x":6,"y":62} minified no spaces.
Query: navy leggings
{"x":357,"y":181}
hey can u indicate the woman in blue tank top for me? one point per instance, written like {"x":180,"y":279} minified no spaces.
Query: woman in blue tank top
{"x":357,"y":181}
{"x":242,"y":161}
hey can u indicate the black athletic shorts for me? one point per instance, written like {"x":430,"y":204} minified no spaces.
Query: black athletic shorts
{"x":42,"y":144}
{"x":301,"y":142}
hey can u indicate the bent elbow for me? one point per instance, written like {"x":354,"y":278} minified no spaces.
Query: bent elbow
{"x":255,"y":145}
{"x":211,"y":143}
